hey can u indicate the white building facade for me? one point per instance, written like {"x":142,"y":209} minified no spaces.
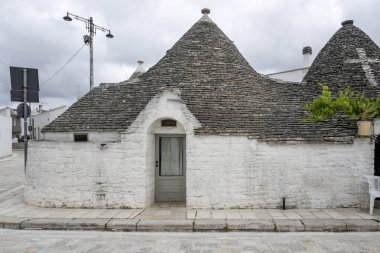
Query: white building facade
{"x":42,"y":118}
{"x":5,"y":132}
{"x":295,"y":75}
{"x":201,"y":127}
{"x":113,"y":170}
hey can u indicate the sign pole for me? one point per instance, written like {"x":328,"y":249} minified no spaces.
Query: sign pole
{"x":25,"y":87}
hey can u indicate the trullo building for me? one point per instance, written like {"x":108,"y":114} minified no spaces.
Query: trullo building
{"x":203,"y":127}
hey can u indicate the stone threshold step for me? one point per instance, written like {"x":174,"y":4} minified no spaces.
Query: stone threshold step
{"x":204,"y":225}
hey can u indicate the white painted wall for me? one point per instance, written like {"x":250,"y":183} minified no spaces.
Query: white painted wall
{"x":237,"y":172}
{"x":5,"y":133}
{"x":43,"y":119}
{"x":85,"y":174}
{"x":96,"y":137}
{"x":295,"y":75}
{"x":222,"y":171}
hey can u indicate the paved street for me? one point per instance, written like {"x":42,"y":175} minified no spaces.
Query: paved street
{"x":11,"y":172}
{"x":28,"y":241}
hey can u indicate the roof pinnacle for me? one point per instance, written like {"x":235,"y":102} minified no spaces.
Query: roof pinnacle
{"x":205,"y":11}
{"x":347,"y":22}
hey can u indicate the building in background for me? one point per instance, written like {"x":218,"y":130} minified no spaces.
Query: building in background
{"x":16,"y":126}
{"x":12,"y":128}
{"x":5,"y":132}
{"x":295,"y":75}
{"x":41,"y":118}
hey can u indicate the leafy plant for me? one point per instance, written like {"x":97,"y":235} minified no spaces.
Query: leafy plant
{"x":322,"y":107}
{"x":353,"y":104}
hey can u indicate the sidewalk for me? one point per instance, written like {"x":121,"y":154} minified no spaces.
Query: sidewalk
{"x":14,"y":213}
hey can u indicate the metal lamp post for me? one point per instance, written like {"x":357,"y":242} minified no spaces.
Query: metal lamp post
{"x":88,"y":39}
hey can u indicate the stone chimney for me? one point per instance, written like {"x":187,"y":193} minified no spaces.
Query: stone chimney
{"x":138,"y":72}
{"x":307,"y":52}
{"x":140,"y":67}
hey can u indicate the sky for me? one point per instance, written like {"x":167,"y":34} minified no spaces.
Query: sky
{"x":270,"y":34}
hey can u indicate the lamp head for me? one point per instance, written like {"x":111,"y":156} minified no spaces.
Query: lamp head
{"x":67,"y":17}
{"x":109,"y":35}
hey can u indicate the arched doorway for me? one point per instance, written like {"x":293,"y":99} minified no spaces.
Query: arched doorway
{"x":170,"y":167}
{"x":168,"y":159}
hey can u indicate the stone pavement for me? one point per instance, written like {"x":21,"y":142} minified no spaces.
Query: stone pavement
{"x":175,"y":217}
{"x":33,"y":241}
{"x":14,"y":213}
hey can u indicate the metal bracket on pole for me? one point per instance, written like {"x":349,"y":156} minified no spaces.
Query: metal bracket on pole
{"x":89,"y":39}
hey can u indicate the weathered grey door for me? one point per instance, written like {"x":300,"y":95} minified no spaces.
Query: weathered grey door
{"x":170,"y":168}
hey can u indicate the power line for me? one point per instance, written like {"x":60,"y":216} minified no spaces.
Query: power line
{"x":69,"y":60}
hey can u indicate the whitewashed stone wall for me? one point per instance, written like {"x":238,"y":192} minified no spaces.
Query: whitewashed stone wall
{"x":63,"y":173}
{"x":237,"y":172}
{"x":222,"y":171}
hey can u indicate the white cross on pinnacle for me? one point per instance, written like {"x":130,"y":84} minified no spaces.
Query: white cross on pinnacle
{"x":365,"y":61}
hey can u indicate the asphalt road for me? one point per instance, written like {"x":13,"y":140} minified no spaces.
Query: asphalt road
{"x":29,"y":241}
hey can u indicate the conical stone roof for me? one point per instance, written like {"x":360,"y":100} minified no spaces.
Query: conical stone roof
{"x":218,"y":86}
{"x":351,"y":58}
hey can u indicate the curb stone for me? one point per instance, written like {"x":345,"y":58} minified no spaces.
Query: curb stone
{"x":205,"y":225}
{"x":250,"y":225}
{"x":11,"y":222}
{"x":45,"y":223}
{"x":122,"y":224}
{"x":289,"y":226}
{"x":87,"y":224}
{"x":321,"y":225}
{"x":165,"y":225}
{"x":362,"y":225}
{"x":210,"y":225}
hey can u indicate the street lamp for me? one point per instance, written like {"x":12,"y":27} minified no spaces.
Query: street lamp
{"x":88,"y":39}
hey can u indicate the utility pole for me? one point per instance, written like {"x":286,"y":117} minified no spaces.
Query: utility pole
{"x":89,"y":39}
{"x":91,"y":54}
{"x":25,"y":91}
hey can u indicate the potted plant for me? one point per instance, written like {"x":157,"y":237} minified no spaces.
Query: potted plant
{"x":353,"y":104}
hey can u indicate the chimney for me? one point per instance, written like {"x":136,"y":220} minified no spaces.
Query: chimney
{"x":140,"y":67}
{"x":40,"y":108}
{"x":138,"y":72}
{"x":306,"y":52}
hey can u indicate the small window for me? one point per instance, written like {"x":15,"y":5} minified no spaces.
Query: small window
{"x":80,"y":137}
{"x":168,"y":123}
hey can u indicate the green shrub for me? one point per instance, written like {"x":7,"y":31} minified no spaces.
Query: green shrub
{"x":353,"y":104}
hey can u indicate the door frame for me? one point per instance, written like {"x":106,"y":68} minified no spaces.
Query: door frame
{"x":156,"y":162}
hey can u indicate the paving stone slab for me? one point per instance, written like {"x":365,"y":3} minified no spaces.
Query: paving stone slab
{"x":44,"y":223}
{"x":165,"y":225}
{"x":122,"y":224}
{"x":11,"y":222}
{"x":324,"y":225}
{"x":87,"y":224}
{"x":250,"y":225}
{"x":210,"y":225}
{"x":289,"y":226}
{"x":362,"y":225}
